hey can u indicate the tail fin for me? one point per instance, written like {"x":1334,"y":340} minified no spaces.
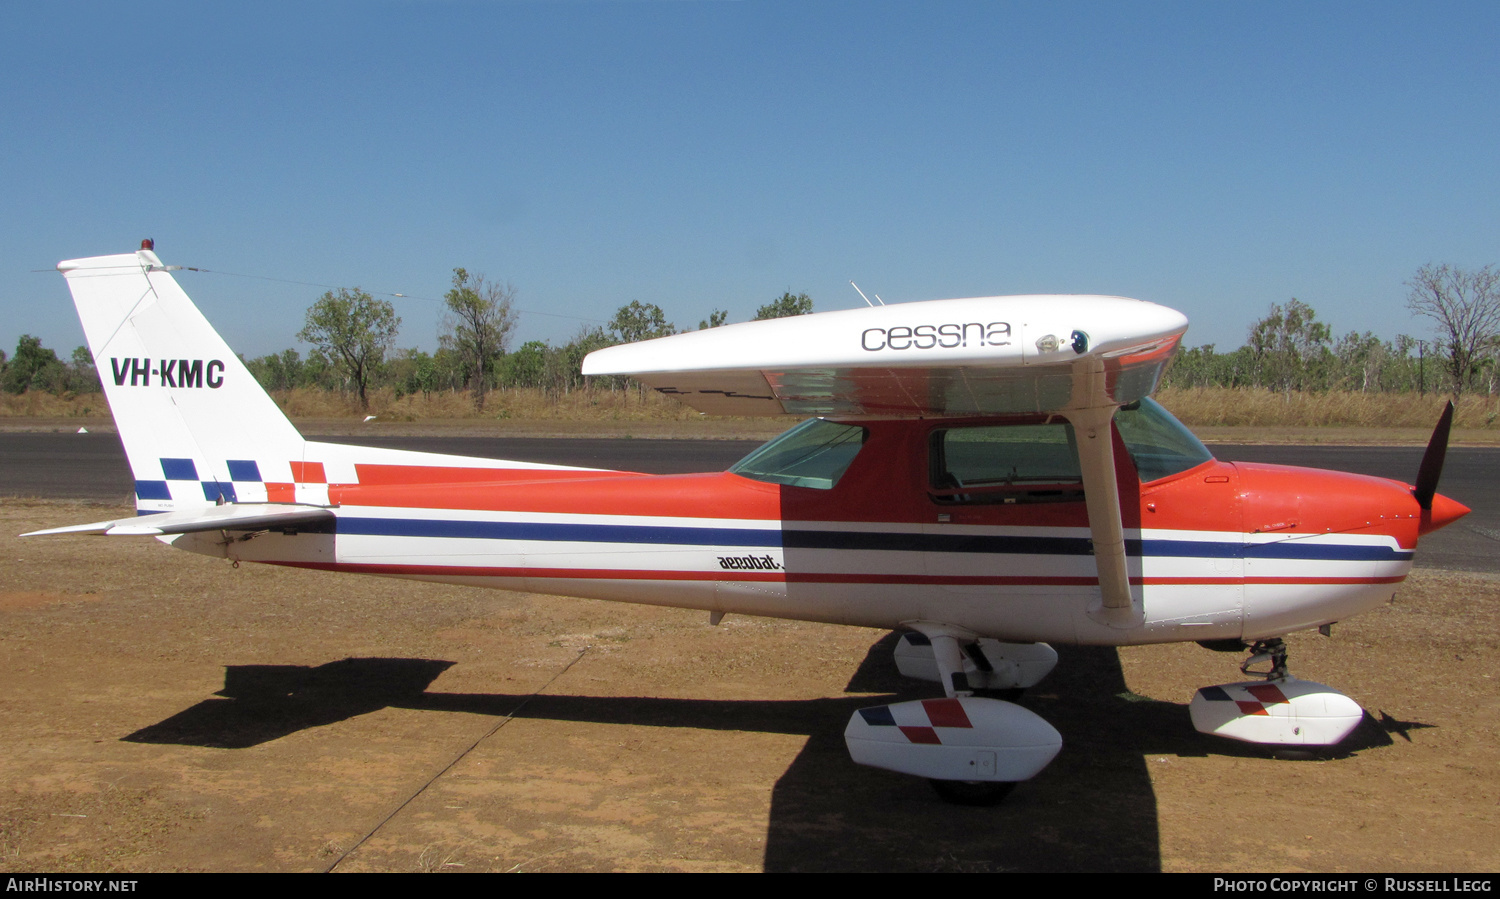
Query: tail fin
{"x":197,"y":428}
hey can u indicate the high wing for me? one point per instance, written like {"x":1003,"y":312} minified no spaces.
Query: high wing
{"x":990,"y":355}
{"x":1081,"y":357}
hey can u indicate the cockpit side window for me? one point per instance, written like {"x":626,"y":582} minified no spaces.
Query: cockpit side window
{"x":1009,"y":463}
{"x":814,"y":454}
{"x":1033,"y":462}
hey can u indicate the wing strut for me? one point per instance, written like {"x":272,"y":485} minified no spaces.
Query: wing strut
{"x":1092,"y":417}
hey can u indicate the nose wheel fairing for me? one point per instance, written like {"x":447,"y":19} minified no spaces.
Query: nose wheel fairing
{"x":1286,"y":712}
{"x":1277,"y":710}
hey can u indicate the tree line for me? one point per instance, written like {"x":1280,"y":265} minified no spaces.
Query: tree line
{"x":353,"y":337}
{"x":1290,"y":350}
{"x":35,"y":367}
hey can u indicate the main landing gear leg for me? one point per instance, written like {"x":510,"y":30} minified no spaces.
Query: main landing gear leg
{"x":949,"y":656}
{"x":949,"y":653}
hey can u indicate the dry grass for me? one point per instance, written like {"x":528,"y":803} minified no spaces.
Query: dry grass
{"x":1217,"y":414}
{"x":37,"y":404}
{"x":311,"y":403}
{"x":1253,"y":407}
{"x":517,"y":402}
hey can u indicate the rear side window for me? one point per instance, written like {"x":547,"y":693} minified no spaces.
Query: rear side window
{"x":814,"y":454}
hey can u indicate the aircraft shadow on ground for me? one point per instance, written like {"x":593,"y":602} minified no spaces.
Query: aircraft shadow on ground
{"x":260,"y":703}
{"x":1093,"y":809}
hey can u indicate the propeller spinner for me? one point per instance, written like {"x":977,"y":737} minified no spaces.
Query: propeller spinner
{"x":1437,"y":510}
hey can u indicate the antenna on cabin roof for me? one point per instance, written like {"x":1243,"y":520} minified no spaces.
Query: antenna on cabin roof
{"x":862,"y":295}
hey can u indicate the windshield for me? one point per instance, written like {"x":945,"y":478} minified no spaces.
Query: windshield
{"x":815,"y":454}
{"x":1158,"y":443}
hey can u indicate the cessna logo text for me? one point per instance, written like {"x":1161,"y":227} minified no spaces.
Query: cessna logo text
{"x":168,"y":372}
{"x":926,"y":337}
{"x":749,"y":563}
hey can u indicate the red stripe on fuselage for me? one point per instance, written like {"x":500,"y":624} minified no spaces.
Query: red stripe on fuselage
{"x":607,"y":574}
{"x":381,"y":475}
{"x":1025,"y":581}
{"x":631,"y":574}
{"x":718,"y":495}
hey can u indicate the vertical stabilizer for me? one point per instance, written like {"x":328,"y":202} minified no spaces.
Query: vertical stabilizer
{"x":197,"y":427}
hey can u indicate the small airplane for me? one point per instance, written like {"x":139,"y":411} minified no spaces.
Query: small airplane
{"x":988,"y":475}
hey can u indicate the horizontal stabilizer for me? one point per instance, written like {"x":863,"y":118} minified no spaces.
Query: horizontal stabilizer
{"x":232,"y":517}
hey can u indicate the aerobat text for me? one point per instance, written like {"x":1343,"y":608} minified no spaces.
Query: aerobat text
{"x":754,"y":563}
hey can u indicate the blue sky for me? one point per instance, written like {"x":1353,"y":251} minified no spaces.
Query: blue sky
{"x":1216,"y":158}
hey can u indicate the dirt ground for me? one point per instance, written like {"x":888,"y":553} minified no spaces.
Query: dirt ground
{"x":161,"y":711}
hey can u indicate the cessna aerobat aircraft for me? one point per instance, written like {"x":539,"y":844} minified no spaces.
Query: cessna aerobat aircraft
{"x":988,"y":474}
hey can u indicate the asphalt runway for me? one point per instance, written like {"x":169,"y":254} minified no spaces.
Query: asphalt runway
{"x":91,"y":467}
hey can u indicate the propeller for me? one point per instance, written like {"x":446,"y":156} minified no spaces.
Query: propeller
{"x":1432,"y":460}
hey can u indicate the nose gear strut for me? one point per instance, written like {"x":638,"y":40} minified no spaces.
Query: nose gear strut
{"x":1273,"y":651}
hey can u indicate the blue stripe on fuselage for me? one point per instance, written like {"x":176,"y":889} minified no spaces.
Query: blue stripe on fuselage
{"x":573,"y":533}
{"x":884,"y":541}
